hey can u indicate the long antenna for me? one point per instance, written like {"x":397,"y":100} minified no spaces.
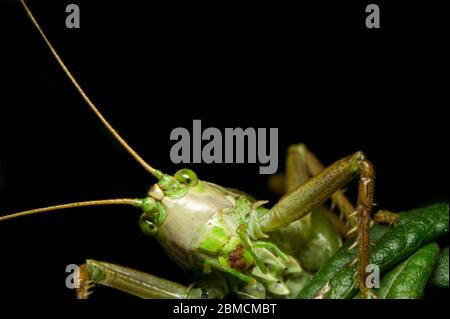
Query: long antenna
{"x":133,"y":153}
{"x":117,"y":201}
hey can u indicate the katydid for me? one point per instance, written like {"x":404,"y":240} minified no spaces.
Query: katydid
{"x":228,"y":241}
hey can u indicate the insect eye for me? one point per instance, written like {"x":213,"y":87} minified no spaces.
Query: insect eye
{"x":187,"y":177}
{"x":147,"y":226}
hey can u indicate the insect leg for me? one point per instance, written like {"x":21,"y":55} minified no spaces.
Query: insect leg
{"x":311,"y":166}
{"x":301,"y":164}
{"x":141,"y":284}
{"x":272,"y":247}
{"x":386,"y":217}
{"x":242,"y":233}
{"x":209,"y":263}
{"x":316,"y":190}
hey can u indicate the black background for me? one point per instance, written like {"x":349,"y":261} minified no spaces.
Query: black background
{"x":313,"y":71}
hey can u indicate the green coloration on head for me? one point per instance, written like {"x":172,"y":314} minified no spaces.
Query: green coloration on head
{"x":200,"y":187}
{"x":153,"y":215}
{"x":179,"y":184}
{"x":248,"y":258}
{"x":215,"y":240}
{"x":158,"y":174}
{"x":176,"y":187}
{"x":172,"y":187}
{"x":231,"y":245}
{"x":153,"y":209}
{"x":187,"y":177}
{"x":243,"y":207}
{"x":147,"y":204}
{"x":211,"y":229}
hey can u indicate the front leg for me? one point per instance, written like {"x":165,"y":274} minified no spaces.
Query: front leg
{"x":321,"y":187}
{"x":143,"y":285}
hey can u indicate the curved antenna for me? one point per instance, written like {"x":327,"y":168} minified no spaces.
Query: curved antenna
{"x":132,"y":152}
{"x":101,"y":202}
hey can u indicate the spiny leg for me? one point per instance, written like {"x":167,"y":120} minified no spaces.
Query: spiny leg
{"x":386,"y":217}
{"x":142,"y":284}
{"x":322,"y":186}
{"x":312,"y":166}
{"x":317,"y":236}
{"x":302,"y":164}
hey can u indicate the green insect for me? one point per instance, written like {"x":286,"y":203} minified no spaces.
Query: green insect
{"x":231,"y":243}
